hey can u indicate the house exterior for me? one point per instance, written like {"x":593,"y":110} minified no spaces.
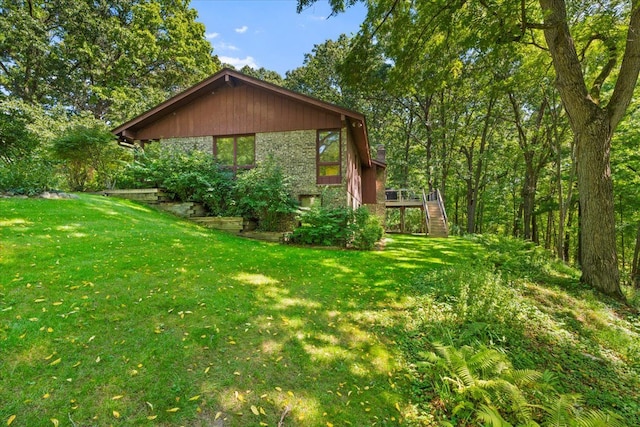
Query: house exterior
{"x":242,"y":121}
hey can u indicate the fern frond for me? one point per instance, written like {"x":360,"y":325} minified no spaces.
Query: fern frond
{"x":525,"y":377}
{"x":596,"y":418}
{"x":561,"y":412}
{"x":490,"y":416}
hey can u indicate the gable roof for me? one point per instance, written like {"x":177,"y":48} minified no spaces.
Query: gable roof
{"x":355,"y":121}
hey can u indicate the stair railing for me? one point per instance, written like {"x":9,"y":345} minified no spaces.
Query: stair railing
{"x":435,"y":196}
{"x":442,"y":209}
{"x":426,"y":211}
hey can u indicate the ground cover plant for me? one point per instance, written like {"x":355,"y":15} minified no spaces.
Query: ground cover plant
{"x":114,"y":314}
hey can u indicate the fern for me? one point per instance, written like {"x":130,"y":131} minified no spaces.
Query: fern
{"x":487,"y":387}
{"x":491,"y":417}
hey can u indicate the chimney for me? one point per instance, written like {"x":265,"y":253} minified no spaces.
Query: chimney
{"x":381,"y":154}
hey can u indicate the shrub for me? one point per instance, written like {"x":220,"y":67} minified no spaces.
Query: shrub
{"x":367,"y":231}
{"x":264,"y":193}
{"x":324,"y":226}
{"x":338,"y":227}
{"x":16,"y":140}
{"x":191,"y":175}
{"x":28,"y":176}
{"x":91,"y":157}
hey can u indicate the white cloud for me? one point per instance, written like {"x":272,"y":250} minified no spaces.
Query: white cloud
{"x":242,"y":29}
{"x":239,"y":62}
{"x":210,"y":36}
{"x":225,"y":46}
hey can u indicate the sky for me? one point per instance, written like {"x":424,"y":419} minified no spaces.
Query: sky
{"x":269,"y":33}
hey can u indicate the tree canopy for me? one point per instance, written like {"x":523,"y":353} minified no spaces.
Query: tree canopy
{"x":114,"y":58}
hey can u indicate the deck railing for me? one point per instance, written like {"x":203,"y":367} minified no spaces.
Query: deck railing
{"x":436,"y":196}
{"x":401,"y":195}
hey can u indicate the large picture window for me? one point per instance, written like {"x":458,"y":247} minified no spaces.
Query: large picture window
{"x":236,"y":152}
{"x":329,"y":168}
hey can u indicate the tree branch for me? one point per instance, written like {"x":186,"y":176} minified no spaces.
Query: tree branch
{"x":629,"y":69}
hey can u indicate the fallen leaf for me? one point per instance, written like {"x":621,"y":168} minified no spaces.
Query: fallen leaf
{"x":152,"y":417}
{"x":46,"y":396}
{"x":55,"y":362}
{"x":55,"y":422}
{"x":255,"y":410}
{"x":116,"y":414}
{"x":196,"y":397}
{"x":398,"y":407}
{"x":218,"y":414}
{"x":10,"y":419}
{"x":173,"y":410}
{"x":117,"y":397}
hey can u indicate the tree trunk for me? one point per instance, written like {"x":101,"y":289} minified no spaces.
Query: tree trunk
{"x":528,"y":196}
{"x":599,"y":258}
{"x":635,"y":268}
{"x":593,"y":128}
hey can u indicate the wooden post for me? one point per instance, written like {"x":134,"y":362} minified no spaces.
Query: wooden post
{"x":402,"y":208}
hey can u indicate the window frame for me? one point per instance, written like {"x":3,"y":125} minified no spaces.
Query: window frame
{"x":329,"y":179}
{"x":235,"y":167}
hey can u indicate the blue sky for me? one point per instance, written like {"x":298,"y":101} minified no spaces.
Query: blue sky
{"x":269,"y":33}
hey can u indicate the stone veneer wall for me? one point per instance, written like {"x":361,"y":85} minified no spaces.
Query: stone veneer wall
{"x":295,"y":152}
{"x":201,"y":143}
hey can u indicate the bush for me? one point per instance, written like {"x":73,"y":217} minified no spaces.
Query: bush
{"x":324,"y":226}
{"x":189,"y":175}
{"x":264,"y":193}
{"x":29,"y":176}
{"x":16,"y":140}
{"x":338,"y":227}
{"x":367,"y":231}
{"x":91,"y":157}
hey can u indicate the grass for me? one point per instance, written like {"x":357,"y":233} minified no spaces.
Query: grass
{"x":114,"y":314}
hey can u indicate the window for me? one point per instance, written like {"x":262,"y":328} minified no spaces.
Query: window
{"x":236,"y":152}
{"x":328,"y":153}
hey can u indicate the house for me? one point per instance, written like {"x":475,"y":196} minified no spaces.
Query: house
{"x":242,"y":121}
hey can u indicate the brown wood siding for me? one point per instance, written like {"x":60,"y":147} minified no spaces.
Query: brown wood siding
{"x":353,"y":170}
{"x":369,"y":185}
{"x":239,"y":110}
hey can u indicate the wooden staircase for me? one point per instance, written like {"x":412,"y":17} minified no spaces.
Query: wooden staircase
{"x":436,"y":224}
{"x":436,"y":220}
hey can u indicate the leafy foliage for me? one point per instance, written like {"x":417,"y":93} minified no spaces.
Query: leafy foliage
{"x":330,"y":226}
{"x":480,"y":384}
{"x":16,"y":140}
{"x":189,"y":175}
{"x":114,"y":59}
{"x":28,"y":175}
{"x":91,"y":157}
{"x":264,"y":193}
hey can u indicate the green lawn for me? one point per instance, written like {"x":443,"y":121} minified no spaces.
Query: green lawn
{"x":112,"y":313}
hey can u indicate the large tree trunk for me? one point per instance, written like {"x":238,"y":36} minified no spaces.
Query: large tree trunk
{"x":598,"y":235}
{"x":593,"y":127}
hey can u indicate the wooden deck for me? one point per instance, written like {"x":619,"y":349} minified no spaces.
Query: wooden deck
{"x":431,"y":205}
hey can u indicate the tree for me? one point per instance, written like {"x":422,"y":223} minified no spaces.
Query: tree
{"x":113,"y":58}
{"x":596,"y":27}
{"x":90,"y":154}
